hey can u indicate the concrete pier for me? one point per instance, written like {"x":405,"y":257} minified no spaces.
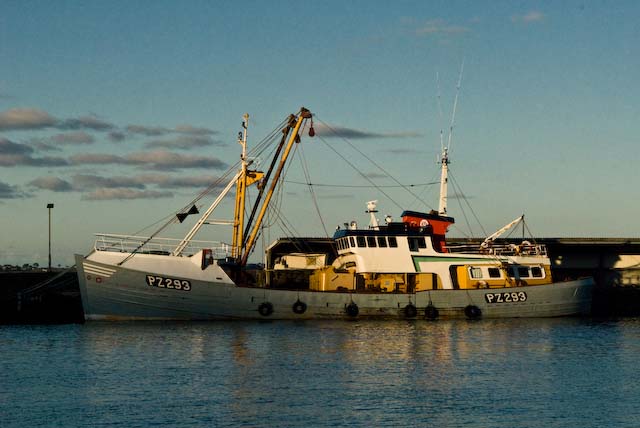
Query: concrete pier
{"x":40,"y":297}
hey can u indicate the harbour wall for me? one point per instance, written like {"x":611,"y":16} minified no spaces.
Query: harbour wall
{"x":40,"y":297}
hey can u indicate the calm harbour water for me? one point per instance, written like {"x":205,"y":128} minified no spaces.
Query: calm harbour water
{"x":511,"y":373}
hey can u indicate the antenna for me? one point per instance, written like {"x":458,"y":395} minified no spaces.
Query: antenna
{"x":440,"y":112}
{"x":455,"y":105}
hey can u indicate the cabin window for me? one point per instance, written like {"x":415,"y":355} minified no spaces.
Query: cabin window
{"x":413,"y":245}
{"x":371,"y":241}
{"x":523,"y":272}
{"x":475,"y":272}
{"x":494,"y":272}
{"x":352,"y":241}
{"x":393,"y":243}
{"x":343,"y":244}
{"x":536,"y":272}
{"x":416,"y":243}
{"x":361,"y":241}
{"x":382,"y":241}
{"x":511,"y":272}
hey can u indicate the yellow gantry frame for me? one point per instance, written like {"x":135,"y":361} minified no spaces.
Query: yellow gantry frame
{"x":304,"y":114}
{"x":246,"y":179}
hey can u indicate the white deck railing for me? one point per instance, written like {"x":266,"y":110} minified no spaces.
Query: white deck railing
{"x":501,"y":249}
{"x":144,"y":245}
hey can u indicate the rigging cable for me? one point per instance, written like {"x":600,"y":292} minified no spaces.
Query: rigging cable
{"x":370,"y":160}
{"x":351,"y":186}
{"x":466,"y":200}
{"x":312,"y":192}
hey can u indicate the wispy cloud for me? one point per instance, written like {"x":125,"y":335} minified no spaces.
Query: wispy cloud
{"x":26,"y":118}
{"x":166,"y":182}
{"x":40,"y":145}
{"x":85,"y":122}
{"x":125,"y":194}
{"x":34,"y":119}
{"x":117,"y":136}
{"x":375,"y":175}
{"x":158,"y":159}
{"x":8,"y":191}
{"x":149,"y":131}
{"x":192,"y":130}
{"x":96,"y":158}
{"x":99,"y":187}
{"x":439,"y":27}
{"x":54,"y":184}
{"x":402,"y":151}
{"x":164,"y":160}
{"x":158,"y":131}
{"x":529,"y":17}
{"x":327,"y":131}
{"x":88,"y":181}
{"x":15,"y":154}
{"x":8,"y":147}
{"x":77,"y":137}
{"x":182,"y":142}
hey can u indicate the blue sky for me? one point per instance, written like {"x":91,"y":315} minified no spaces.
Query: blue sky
{"x":120,"y":112}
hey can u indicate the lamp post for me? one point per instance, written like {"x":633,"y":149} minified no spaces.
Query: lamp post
{"x":49,"y":206}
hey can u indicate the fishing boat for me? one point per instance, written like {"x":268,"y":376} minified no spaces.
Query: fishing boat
{"x":393,"y":269}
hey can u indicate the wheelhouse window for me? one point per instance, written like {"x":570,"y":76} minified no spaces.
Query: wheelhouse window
{"x":382,"y":241}
{"x":352,"y":242}
{"x":361,"y":241}
{"x":494,"y":272}
{"x":416,"y":243}
{"x":393,"y":242}
{"x":371,"y":241}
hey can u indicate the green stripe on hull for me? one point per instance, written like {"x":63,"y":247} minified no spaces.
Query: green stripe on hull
{"x":438,"y":259}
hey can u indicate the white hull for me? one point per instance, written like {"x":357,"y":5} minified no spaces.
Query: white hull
{"x":112,"y":292}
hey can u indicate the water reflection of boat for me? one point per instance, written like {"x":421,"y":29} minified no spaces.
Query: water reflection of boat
{"x":396,"y":270}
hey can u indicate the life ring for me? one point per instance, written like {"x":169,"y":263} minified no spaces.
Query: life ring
{"x":472,"y":312}
{"x":299,"y":307}
{"x":410,"y":311}
{"x":265,"y":309}
{"x":352,"y":309}
{"x":431,"y":312}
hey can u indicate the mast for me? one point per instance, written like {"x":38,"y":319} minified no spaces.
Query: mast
{"x":241,"y":185}
{"x":444,"y":179}
{"x":242,"y":179}
{"x":304,"y":114}
{"x":444,"y":160}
